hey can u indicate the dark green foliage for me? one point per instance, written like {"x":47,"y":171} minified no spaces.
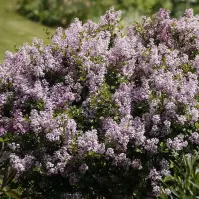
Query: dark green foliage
{"x":184,"y":179}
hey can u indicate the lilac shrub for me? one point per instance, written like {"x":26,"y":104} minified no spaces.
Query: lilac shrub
{"x":101,"y":111}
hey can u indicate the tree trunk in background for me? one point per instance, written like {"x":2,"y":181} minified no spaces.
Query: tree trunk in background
{"x":187,"y":4}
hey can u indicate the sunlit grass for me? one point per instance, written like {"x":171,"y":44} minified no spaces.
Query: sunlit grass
{"x":16,"y":30}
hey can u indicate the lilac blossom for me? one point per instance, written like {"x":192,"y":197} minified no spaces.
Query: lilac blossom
{"x":100,"y":98}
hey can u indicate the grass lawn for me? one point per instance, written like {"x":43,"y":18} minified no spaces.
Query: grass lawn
{"x":16,"y":30}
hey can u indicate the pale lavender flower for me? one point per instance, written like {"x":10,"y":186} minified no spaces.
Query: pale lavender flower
{"x":53,"y":136}
{"x":136,"y":164}
{"x":83,"y":168}
{"x":189,"y":13}
{"x":110,"y":152}
{"x":88,"y":142}
{"x":178,"y":143}
{"x":154,"y":175}
{"x":151,"y":145}
{"x":194,"y":138}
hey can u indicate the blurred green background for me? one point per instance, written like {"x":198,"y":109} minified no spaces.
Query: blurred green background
{"x":21,"y":20}
{"x":16,"y":29}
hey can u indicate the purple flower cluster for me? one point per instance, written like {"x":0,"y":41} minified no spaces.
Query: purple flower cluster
{"x":127,"y":99}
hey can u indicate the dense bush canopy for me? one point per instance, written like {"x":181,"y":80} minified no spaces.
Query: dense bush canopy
{"x":101,"y":110}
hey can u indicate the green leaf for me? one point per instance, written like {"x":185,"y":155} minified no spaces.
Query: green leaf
{"x":195,"y":185}
{"x":8,"y":179}
{"x":13,"y":194}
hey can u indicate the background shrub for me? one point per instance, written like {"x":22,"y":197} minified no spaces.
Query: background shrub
{"x":62,"y":12}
